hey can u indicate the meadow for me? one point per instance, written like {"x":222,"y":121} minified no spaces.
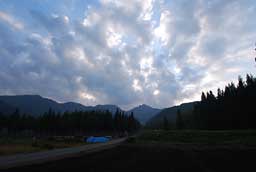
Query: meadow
{"x":15,"y":145}
{"x":159,"y":150}
{"x":210,"y":137}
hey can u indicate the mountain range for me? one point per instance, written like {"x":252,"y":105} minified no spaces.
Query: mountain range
{"x":37,"y":105}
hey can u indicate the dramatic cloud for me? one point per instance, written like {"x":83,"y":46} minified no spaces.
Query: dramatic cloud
{"x":124,"y":52}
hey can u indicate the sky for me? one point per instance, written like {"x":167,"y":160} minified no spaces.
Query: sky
{"x":124,"y":52}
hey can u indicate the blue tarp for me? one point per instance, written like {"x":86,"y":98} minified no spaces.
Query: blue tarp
{"x":97,"y":139}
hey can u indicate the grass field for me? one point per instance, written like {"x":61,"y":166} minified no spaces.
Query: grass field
{"x":175,"y":151}
{"x":11,"y":145}
{"x":240,"y":137}
{"x":154,"y":157}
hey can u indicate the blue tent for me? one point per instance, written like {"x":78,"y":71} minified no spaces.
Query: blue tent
{"x":93,"y":139}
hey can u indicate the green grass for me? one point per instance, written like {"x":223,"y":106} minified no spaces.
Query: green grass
{"x":9,"y":146}
{"x":246,"y":137}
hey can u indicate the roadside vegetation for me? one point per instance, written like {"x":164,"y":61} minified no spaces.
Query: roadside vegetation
{"x":14,"y":145}
{"x":199,"y":137}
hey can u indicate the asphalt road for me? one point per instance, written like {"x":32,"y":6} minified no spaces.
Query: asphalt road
{"x":57,"y":154}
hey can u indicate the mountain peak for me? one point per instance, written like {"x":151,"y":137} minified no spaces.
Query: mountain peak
{"x":144,"y":112}
{"x":144,"y":105}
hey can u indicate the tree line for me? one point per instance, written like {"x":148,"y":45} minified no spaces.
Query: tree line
{"x":232,"y":108}
{"x":69,"y":123}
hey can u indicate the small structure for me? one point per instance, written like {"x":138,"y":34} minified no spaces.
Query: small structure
{"x":93,"y":139}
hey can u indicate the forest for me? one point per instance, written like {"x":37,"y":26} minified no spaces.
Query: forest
{"x":68,"y":123}
{"x":232,"y":108}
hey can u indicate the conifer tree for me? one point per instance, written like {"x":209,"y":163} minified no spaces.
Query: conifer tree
{"x":166,"y":124}
{"x":179,"y":120}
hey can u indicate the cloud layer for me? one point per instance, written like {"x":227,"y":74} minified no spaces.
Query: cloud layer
{"x":124,"y":52}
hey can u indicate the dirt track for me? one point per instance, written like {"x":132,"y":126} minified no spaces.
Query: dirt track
{"x":52,"y":155}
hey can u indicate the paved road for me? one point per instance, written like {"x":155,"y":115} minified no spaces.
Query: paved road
{"x":46,"y":156}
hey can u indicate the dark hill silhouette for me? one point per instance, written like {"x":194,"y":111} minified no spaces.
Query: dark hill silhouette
{"x":144,"y":112}
{"x":37,"y":105}
{"x":170,"y":114}
{"x":6,"y":108}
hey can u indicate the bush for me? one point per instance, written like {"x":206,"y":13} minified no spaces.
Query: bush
{"x":131,"y":139}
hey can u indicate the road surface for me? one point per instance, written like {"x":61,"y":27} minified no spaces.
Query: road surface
{"x":57,"y":154}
